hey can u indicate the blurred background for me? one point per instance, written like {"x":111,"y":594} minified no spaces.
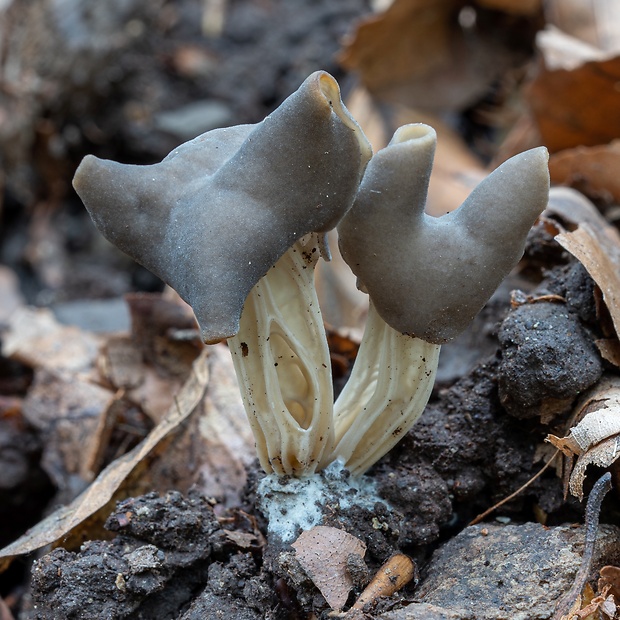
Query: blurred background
{"x":131,"y":79}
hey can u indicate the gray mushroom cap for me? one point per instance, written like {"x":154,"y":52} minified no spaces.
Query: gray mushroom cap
{"x":429,"y":276}
{"x":219,"y":211}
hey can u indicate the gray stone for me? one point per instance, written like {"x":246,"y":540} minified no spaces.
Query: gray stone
{"x":512,"y":572}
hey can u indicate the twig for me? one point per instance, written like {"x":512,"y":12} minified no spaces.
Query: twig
{"x":487,"y":512}
{"x":593,"y":510}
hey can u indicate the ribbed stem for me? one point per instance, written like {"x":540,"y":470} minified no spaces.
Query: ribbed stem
{"x":282,"y":362}
{"x":387,"y":392}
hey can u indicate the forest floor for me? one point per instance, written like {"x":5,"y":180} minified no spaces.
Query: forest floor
{"x":128,"y":475}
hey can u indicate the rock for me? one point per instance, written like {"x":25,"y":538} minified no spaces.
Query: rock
{"x":513,"y":572}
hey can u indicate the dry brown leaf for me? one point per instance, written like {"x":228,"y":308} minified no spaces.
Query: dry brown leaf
{"x":63,"y":522}
{"x":243,"y":540}
{"x":609,"y":348}
{"x":610,"y":576}
{"x":563,"y":51}
{"x":417,"y":53}
{"x":598,"y":250}
{"x":122,"y":365}
{"x":155,"y":393}
{"x":322,"y":553}
{"x":36,"y":339}
{"x":67,"y":412}
{"x":592,"y":170}
{"x":578,"y":107}
{"x":597,"y":605}
{"x":573,"y":208}
{"x":602,"y":455}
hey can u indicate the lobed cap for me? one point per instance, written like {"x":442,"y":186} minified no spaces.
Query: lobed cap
{"x":429,"y":277}
{"x":220,"y":210}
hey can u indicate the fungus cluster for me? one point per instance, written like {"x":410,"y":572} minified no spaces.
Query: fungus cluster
{"x":235,"y":221}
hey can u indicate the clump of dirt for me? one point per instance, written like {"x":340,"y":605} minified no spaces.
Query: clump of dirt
{"x":548,"y":351}
{"x":170,"y":559}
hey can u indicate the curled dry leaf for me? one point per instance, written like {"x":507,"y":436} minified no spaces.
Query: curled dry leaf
{"x":594,"y":436}
{"x":609,"y":348}
{"x":66,"y":410}
{"x":67,"y":520}
{"x":596,"y":245}
{"x":322,"y":553}
{"x":595,"y":23}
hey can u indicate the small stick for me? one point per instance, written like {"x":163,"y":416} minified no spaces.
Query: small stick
{"x":487,"y":512}
{"x":593,"y":510}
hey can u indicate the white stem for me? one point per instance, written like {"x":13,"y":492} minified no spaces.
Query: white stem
{"x":387,"y":392}
{"x":282,"y":362}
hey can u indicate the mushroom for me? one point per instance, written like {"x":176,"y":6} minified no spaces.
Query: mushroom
{"x":426,"y":278}
{"x":239,"y":212}
{"x":220,"y":210}
{"x":235,"y":220}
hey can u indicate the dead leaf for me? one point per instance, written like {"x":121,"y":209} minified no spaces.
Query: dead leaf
{"x":577,"y":107}
{"x":610,"y":575}
{"x":66,"y":410}
{"x":322,"y":553}
{"x":222,"y":436}
{"x":243,"y":540}
{"x":609,"y":348}
{"x":121,"y":363}
{"x":417,"y":53}
{"x":562,"y":50}
{"x":164,"y":329}
{"x":592,"y":170}
{"x":573,"y":208}
{"x":62,"y":522}
{"x":598,"y":250}
{"x":36,"y":339}
{"x":601,"y":455}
